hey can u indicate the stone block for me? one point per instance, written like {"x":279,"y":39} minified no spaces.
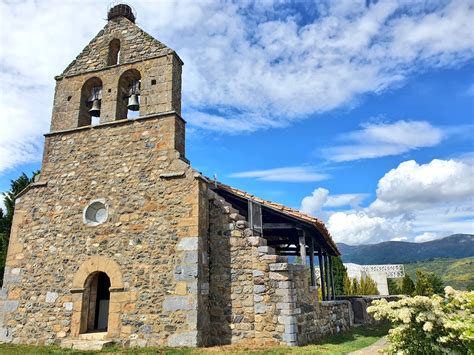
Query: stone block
{"x":279,"y":276}
{"x":279,"y":267}
{"x":291,"y":328}
{"x":290,"y":338}
{"x":187,"y":272}
{"x":190,"y":257}
{"x":266,"y":250}
{"x":259,"y":289}
{"x":286,"y":320}
{"x":177,"y":303}
{"x":188,"y":244}
{"x":260,"y":308}
{"x":183,"y":339}
{"x":8,"y":306}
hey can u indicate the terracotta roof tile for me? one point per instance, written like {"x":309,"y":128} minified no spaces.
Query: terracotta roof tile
{"x":286,"y":210}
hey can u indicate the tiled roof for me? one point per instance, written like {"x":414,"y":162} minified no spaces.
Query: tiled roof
{"x":317,"y":223}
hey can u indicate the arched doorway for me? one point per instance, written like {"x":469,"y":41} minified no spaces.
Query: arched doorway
{"x":95,"y":303}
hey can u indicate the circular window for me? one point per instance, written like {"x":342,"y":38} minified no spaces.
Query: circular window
{"x":95,"y":213}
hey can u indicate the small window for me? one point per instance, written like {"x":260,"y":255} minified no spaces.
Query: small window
{"x":95,"y":213}
{"x":114,"y":52}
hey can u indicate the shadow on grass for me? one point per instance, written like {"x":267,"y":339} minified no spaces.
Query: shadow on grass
{"x":350,"y":340}
{"x":360,"y":331}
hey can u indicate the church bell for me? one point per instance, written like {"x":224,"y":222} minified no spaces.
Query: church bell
{"x":95,"y":109}
{"x":133,"y":103}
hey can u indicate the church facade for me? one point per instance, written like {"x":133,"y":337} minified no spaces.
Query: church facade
{"x":121,"y":240}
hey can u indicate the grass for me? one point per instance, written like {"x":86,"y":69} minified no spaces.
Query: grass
{"x":457,"y":273}
{"x":351,"y":340}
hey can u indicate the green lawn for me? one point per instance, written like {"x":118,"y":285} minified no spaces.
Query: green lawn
{"x":354,"y":339}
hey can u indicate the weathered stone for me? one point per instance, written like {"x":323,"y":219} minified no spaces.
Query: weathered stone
{"x":183,"y":339}
{"x":188,"y":243}
{"x":175,"y":303}
{"x":51,"y":297}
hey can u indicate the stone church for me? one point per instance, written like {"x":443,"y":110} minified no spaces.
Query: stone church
{"x":121,"y":240}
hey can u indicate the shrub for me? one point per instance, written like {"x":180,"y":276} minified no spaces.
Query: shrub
{"x":429,"y":325}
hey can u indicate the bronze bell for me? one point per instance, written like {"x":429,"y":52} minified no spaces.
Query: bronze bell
{"x":95,"y":109}
{"x":133,"y":103}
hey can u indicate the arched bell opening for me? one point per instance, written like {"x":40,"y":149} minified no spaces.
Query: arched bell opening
{"x":128,"y":95}
{"x":114,"y":52}
{"x":91,"y":99}
{"x":95,"y":303}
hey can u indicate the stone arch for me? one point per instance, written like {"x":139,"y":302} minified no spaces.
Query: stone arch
{"x":114,"y":52}
{"x":91,"y":89}
{"x":123,"y":91}
{"x":98,"y":264}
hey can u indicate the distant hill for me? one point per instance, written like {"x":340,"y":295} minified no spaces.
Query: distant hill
{"x":458,"y":273}
{"x":455,"y":246}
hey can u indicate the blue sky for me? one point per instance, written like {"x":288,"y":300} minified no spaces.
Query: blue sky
{"x":360,"y":115}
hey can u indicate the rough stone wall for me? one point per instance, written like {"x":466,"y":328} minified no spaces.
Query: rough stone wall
{"x":152,"y":233}
{"x":135,"y":44}
{"x":257,"y":296}
{"x":316,"y":319}
{"x":231,"y":304}
{"x":160,"y":91}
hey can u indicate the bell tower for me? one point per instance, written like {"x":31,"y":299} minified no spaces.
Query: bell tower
{"x":123,"y":73}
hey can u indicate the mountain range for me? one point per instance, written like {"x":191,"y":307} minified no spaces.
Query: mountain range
{"x":454,"y":246}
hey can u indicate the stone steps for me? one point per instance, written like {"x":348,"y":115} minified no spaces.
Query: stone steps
{"x":88,"y":341}
{"x":93,"y":336}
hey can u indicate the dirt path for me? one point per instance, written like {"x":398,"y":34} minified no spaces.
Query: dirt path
{"x":372,"y":349}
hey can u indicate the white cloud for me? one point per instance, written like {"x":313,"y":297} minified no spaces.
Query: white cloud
{"x":414,"y":201}
{"x":361,"y":228}
{"x":399,"y":239}
{"x":255,"y":65}
{"x":412,"y":186}
{"x":285,"y":174}
{"x":383,"y":139}
{"x":320,"y":198}
{"x":426,"y":237}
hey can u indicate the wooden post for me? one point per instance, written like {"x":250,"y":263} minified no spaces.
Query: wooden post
{"x":326,"y":276}
{"x":321,"y":272}
{"x":331,"y":273}
{"x":302,"y":246}
{"x":311,"y":260}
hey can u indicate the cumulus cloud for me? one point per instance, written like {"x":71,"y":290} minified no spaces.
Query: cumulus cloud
{"x":320,"y":198}
{"x":361,"y":228}
{"x":383,"y":139}
{"x":418,"y":202}
{"x":254,"y":65}
{"x":285,"y":174}
{"x":426,"y":237}
{"x":412,"y":186}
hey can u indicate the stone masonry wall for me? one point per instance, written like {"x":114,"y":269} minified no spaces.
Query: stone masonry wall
{"x":160,"y":91}
{"x":152,"y":235}
{"x":257,"y":296}
{"x":135,"y":44}
{"x":317,"y":319}
{"x":231,"y":304}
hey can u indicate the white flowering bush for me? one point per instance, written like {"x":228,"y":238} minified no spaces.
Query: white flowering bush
{"x":429,"y":325}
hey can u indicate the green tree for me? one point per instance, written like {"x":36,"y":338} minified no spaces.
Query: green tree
{"x":408,"y":286}
{"x":339,"y":272}
{"x":367,"y":286}
{"x":347,"y":285}
{"x":393,"y":288}
{"x":436,"y":283}
{"x":6,"y":217}
{"x":355,"y":286}
{"x":470,"y":287}
{"x":423,"y":285}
